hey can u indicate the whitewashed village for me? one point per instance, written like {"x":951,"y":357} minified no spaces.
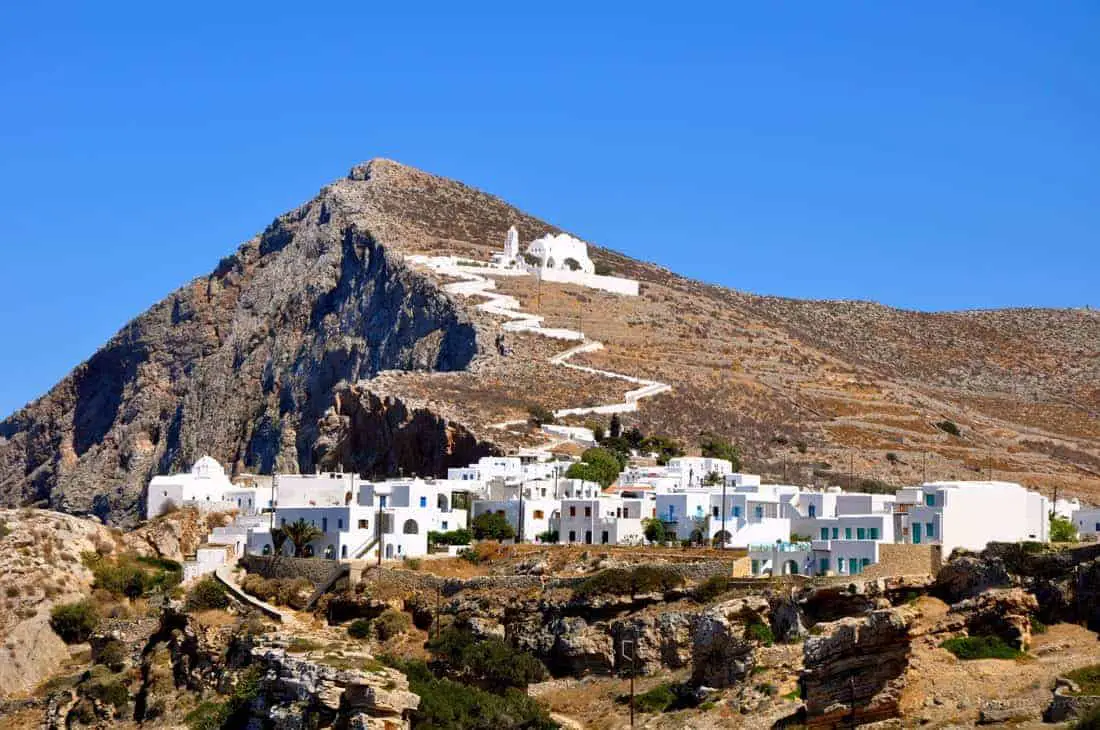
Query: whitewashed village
{"x":778,"y":529}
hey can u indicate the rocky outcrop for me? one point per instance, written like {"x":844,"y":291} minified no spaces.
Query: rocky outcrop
{"x":661,"y":641}
{"x":245,"y":364}
{"x":567,"y":645}
{"x":297,"y":693}
{"x":723,"y":643}
{"x":854,"y":670}
{"x":966,"y":576}
{"x":1002,"y":613}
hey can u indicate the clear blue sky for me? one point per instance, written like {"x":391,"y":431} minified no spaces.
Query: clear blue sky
{"x":926,"y":155}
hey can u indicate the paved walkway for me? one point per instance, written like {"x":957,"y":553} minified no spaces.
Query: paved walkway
{"x":224,"y":573}
{"x":474,"y":283}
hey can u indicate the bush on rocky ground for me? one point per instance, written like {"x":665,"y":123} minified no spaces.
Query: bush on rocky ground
{"x":360,"y":628}
{"x":488,"y":662}
{"x":132,"y":576}
{"x":1087,"y":679}
{"x":292,"y":592}
{"x":74,"y":622}
{"x":391,"y":623}
{"x":630,"y":581}
{"x":449,"y":705}
{"x":207,"y":594}
{"x":113,"y":655}
{"x":981,"y":647}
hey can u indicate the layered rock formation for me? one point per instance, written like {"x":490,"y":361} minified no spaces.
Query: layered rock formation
{"x":855,"y":670}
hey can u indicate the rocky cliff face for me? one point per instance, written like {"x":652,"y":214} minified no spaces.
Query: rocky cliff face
{"x":245,"y":364}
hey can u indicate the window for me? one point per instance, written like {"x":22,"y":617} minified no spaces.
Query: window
{"x":587,"y":511}
{"x":813,"y":510}
{"x":864,"y":563}
{"x":823,"y":566}
{"x":588,"y":537}
{"x":538,"y":514}
{"x":756,"y":567}
{"x":847,"y":533}
{"x":382,"y":500}
{"x":572,"y":513}
{"x":282,"y":521}
{"x":872,"y":533}
{"x":929,"y":500}
{"x":861,"y":534}
{"x":324,"y":524}
{"x":759,"y":513}
{"x":930,"y":529}
{"x":736,"y":511}
{"x":339,"y":523}
{"x":603,"y":537}
{"x":824,"y":533}
{"x":572,"y":536}
{"x":840,"y":565}
{"x":714,"y":512}
{"x":423,"y":501}
{"x":444,"y":524}
{"x":363,"y":524}
{"x":836,"y":533}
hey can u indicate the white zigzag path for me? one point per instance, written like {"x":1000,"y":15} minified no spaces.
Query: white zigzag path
{"x":503,"y":305}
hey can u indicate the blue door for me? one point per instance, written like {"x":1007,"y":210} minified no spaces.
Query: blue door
{"x":916,"y":533}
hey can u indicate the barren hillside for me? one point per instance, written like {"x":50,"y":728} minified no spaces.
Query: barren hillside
{"x":316,"y":344}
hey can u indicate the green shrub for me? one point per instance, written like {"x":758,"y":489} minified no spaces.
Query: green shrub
{"x":1087,"y":678}
{"x":206,"y":716}
{"x":449,"y":705}
{"x":113,"y":655}
{"x":949,"y":427}
{"x":208,"y":593}
{"x":4,"y":530}
{"x":540,"y":415}
{"x":461,"y":536}
{"x":492,"y":662}
{"x":74,"y":622}
{"x":413,"y":563}
{"x":981,"y":647}
{"x":109,"y":691}
{"x":654,"y":530}
{"x":712,"y":587}
{"x":391,"y":623}
{"x":133,"y":576}
{"x":630,"y":581}
{"x":760,"y":631}
{"x":715,"y":447}
{"x":491,"y":526}
{"x":550,"y":536}
{"x":598,"y":465}
{"x":1062,"y":530}
{"x":1091,"y":720}
{"x":359,"y":629}
{"x":658,"y":699}
{"x":1038,"y":627}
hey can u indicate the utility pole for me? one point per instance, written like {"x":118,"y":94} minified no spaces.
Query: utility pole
{"x":851,"y":469}
{"x":989,"y":462}
{"x":520,"y":521}
{"x":924,"y":467}
{"x":724,"y":533}
{"x":438,"y":606}
{"x":274,"y":478}
{"x":630,"y":653}
{"x":380,"y":535}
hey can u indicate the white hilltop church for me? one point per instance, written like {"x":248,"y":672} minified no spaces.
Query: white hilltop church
{"x":556,"y":252}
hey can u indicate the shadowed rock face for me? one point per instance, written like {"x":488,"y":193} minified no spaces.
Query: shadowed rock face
{"x":244,"y":365}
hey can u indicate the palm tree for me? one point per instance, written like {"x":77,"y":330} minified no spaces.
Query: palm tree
{"x":300,"y":534}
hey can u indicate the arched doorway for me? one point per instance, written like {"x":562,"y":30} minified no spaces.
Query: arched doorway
{"x":550,"y":263}
{"x":721,"y":538}
{"x":410,"y":527}
{"x":790,"y":567}
{"x":389,"y":552}
{"x":307,"y":551}
{"x":442,"y":504}
{"x":330,"y":552}
{"x":343,"y":551}
{"x":267,"y":549}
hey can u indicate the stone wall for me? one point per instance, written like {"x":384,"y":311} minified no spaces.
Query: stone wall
{"x":316,"y":570}
{"x":1066,"y":706}
{"x":902,"y":559}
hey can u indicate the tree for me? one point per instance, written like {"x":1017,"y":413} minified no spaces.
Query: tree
{"x":616,"y":426}
{"x":572,"y":264}
{"x":663,"y":446}
{"x":540,"y":414}
{"x":714,"y":447}
{"x":491,"y":526}
{"x":278,"y":540}
{"x":1062,"y":530}
{"x":597,"y":465}
{"x":654,"y":530}
{"x":74,"y":622}
{"x":300,"y":534}
{"x":712,"y":478}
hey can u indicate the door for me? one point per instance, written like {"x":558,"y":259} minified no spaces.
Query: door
{"x":916,"y":533}
{"x":853,"y":566}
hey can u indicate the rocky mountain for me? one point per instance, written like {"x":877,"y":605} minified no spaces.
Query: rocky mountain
{"x":317,"y":345}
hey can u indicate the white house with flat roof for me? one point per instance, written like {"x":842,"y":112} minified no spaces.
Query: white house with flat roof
{"x":1087,"y":522}
{"x":205,"y":487}
{"x":601,"y":520}
{"x":970,"y":515}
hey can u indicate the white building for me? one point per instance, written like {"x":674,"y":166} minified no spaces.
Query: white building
{"x":970,"y":515}
{"x":561,"y":252}
{"x":601,"y":520}
{"x":1087,"y":522}
{"x":206,"y":488}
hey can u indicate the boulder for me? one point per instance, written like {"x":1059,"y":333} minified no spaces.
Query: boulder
{"x":968,"y":576}
{"x":722,"y":655}
{"x":1003,"y":613}
{"x":662,"y":641}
